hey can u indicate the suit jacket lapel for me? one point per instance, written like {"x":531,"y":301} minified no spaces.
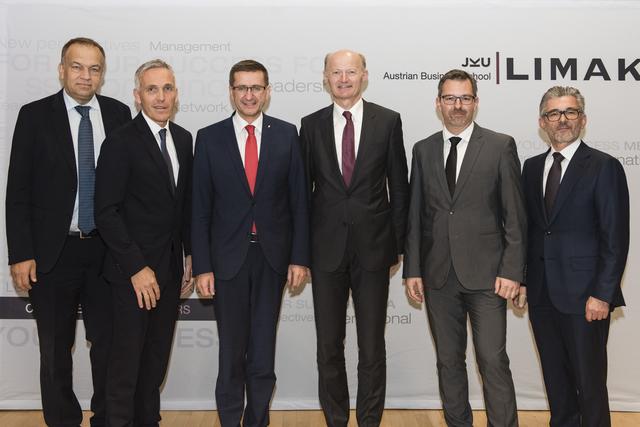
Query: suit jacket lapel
{"x":230,"y":141}
{"x":266,"y":142}
{"x":329,"y":141}
{"x":439,"y":165}
{"x":63,"y":131}
{"x":571,"y":177}
{"x":182,"y":151}
{"x":368,"y":128}
{"x":471,"y":154}
{"x":108,"y":118}
{"x":537,"y":174}
{"x":151,"y":145}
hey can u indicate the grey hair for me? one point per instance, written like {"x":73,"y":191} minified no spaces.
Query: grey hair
{"x":154,"y":63}
{"x":558,"y":92}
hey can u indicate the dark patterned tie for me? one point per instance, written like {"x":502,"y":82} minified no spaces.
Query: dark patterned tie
{"x":452,"y":162}
{"x":348,"y":149}
{"x":553,"y":182}
{"x":86,"y":172}
{"x":167,"y":158}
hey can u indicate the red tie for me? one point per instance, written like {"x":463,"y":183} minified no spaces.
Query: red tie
{"x":251,"y":161}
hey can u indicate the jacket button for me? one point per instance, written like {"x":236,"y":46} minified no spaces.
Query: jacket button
{"x":548,"y":233}
{"x":450,"y":212}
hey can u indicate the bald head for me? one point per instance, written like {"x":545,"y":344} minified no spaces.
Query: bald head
{"x":345,"y":76}
{"x":347,"y":53}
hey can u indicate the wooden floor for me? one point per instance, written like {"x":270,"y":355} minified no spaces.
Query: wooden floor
{"x":391,"y":418}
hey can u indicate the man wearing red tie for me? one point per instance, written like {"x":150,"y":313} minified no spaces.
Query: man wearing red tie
{"x":250,"y":238}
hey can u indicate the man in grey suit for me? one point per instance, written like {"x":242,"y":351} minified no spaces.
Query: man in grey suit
{"x":465,"y":248}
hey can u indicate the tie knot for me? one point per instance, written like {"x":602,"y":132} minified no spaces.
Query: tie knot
{"x":557,"y":157}
{"x":163,"y":134}
{"x":347,"y":115}
{"x":251,"y":129}
{"x":83,"y":110}
{"x":454,"y":140}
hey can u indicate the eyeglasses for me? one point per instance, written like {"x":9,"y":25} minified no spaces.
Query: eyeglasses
{"x":155,"y":90}
{"x":451,"y":99}
{"x":569,"y":114}
{"x":255,"y":89}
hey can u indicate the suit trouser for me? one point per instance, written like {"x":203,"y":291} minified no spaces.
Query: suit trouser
{"x":573,"y":354}
{"x":139,"y":354}
{"x":370,"y":292}
{"x":55,"y":297}
{"x":448,"y":308}
{"x":247,"y":310}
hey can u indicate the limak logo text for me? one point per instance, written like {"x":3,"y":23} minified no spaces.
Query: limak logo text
{"x":620,"y":69}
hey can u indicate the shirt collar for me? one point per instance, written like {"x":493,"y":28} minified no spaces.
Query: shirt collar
{"x":568,"y":151}
{"x":465,"y":134}
{"x":71,"y":103}
{"x":356,"y":109}
{"x":155,"y":128}
{"x":240,"y":123}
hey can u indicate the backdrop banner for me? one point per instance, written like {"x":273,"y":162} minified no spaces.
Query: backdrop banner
{"x":515,"y":49}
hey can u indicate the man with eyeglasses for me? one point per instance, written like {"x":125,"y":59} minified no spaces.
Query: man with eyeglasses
{"x":578,"y":209}
{"x":250,"y":239}
{"x":357,"y":172}
{"x":143,"y":213}
{"x":55,"y":252}
{"x":465,"y":252}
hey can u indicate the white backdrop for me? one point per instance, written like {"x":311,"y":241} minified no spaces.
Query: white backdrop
{"x":516,"y":45}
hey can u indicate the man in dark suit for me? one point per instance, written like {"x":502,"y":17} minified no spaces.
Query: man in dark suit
{"x":143,"y":212}
{"x":466,"y":245}
{"x":357,"y":174}
{"x":578,"y":209}
{"x":55,"y":252}
{"x":250,"y":237}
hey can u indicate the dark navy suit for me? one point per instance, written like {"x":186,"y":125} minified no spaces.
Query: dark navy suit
{"x":578,"y":252}
{"x":249,"y":277}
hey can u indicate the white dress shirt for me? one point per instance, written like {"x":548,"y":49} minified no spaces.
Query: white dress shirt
{"x":98,"y":136}
{"x":461,"y":148}
{"x":339,"y":122}
{"x":239,"y":125}
{"x":171,"y":148}
{"x":567,"y":153}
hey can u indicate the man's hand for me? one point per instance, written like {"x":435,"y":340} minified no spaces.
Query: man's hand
{"x":186,"y":289}
{"x":596,"y":309}
{"x":395,"y":267}
{"x":146,"y":287}
{"x":415,"y":289}
{"x":506,"y":288}
{"x":520,"y":300}
{"x":205,"y":284}
{"x":23,"y":273}
{"x":295,"y":276}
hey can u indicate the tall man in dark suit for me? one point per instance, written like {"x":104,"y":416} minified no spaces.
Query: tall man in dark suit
{"x":55,"y":252}
{"x":250,"y":237}
{"x":578,"y":208}
{"x":466,"y":245}
{"x":357,"y":172}
{"x":143,"y":212}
